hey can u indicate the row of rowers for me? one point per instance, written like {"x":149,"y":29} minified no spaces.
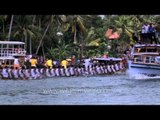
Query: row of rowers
{"x":40,"y":73}
{"x":34,"y":62}
{"x":49,"y":63}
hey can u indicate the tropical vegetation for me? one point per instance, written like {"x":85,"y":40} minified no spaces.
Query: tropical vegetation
{"x":81,"y":35}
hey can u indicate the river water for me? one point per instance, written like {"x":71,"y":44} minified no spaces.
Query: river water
{"x":121,"y":89}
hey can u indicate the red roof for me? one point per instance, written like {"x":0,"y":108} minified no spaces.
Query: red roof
{"x":111,"y":35}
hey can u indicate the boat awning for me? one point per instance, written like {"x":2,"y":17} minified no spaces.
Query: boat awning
{"x":108,"y":59}
{"x":19,"y":55}
{"x":147,"y":45}
{"x":12,"y":42}
{"x":146,"y":53}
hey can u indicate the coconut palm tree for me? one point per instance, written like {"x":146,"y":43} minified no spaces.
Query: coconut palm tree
{"x":30,"y":40}
{"x":10,"y":27}
{"x":23,"y":28}
{"x":50,"y":21}
{"x":76,"y":23}
{"x":3,"y":19}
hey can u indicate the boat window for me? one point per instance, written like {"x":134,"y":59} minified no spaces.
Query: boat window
{"x":138,"y":59}
{"x":142,"y":50}
{"x":10,"y":46}
{"x":152,"y":59}
{"x":152,"y":50}
{"x":157,"y":59}
{"x":158,"y":50}
{"x":15,"y":46}
{"x":138,"y":50}
{"x":147,"y":59}
{"x":4,"y":46}
{"x":7,"y":62}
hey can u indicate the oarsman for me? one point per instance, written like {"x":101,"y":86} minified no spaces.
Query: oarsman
{"x":67,"y":72}
{"x":21,"y":74}
{"x":98,"y":69}
{"x":15,"y":74}
{"x":116,"y":67}
{"x":53,"y":74}
{"x":71,"y":70}
{"x":113,"y":69}
{"x":4,"y":73}
{"x":33,"y":62}
{"x":101,"y":67}
{"x":27,"y":74}
{"x":79,"y":70}
{"x":57,"y":71}
{"x":105,"y":69}
{"x":48,"y":72}
{"x":49,"y":63}
{"x":62,"y":71}
{"x":33,"y":73}
{"x":10,"y":72}
{"x":109,"y":69}
{"x":64,"y":63}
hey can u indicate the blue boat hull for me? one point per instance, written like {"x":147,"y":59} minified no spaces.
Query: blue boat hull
{"x":150,"y":70}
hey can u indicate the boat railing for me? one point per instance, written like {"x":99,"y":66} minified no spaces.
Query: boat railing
{"x":146,"y":53}
{"x":12,"y":52}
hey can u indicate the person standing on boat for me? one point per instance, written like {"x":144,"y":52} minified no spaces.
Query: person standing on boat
{"x":73,"y":60}
{"x":152,"y":33}
{"x":87,"y":62}
{"x":16,"y":63}
{"x":144,"y":35}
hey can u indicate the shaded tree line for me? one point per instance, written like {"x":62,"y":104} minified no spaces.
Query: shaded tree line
{"x":82,"y":35}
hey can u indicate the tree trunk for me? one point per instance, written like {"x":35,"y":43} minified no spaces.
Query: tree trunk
{"x":25,"y":42}
{"x":75,"y":36}
{"x":43,"y":51}
{"x":30,"y":45}
{"x":81,"y":47}
{"x":10,"y":27}
{"x":30,"y":40}
{"x":40,"y":43}
{"x":3,"y":28}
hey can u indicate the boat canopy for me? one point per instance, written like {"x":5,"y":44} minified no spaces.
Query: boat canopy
{"x":12,"y":42}
{"x":108,"y":59}
{"x":147,"y":45}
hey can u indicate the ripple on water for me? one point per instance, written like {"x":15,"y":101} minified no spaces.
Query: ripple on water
{"x":116,"y":89}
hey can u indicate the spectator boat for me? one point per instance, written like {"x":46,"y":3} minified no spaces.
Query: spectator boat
{"x":9,"y":50}
{"x":145,"y":59}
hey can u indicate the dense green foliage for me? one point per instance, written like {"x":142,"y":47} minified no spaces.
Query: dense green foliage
{"x":82,"y":35}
